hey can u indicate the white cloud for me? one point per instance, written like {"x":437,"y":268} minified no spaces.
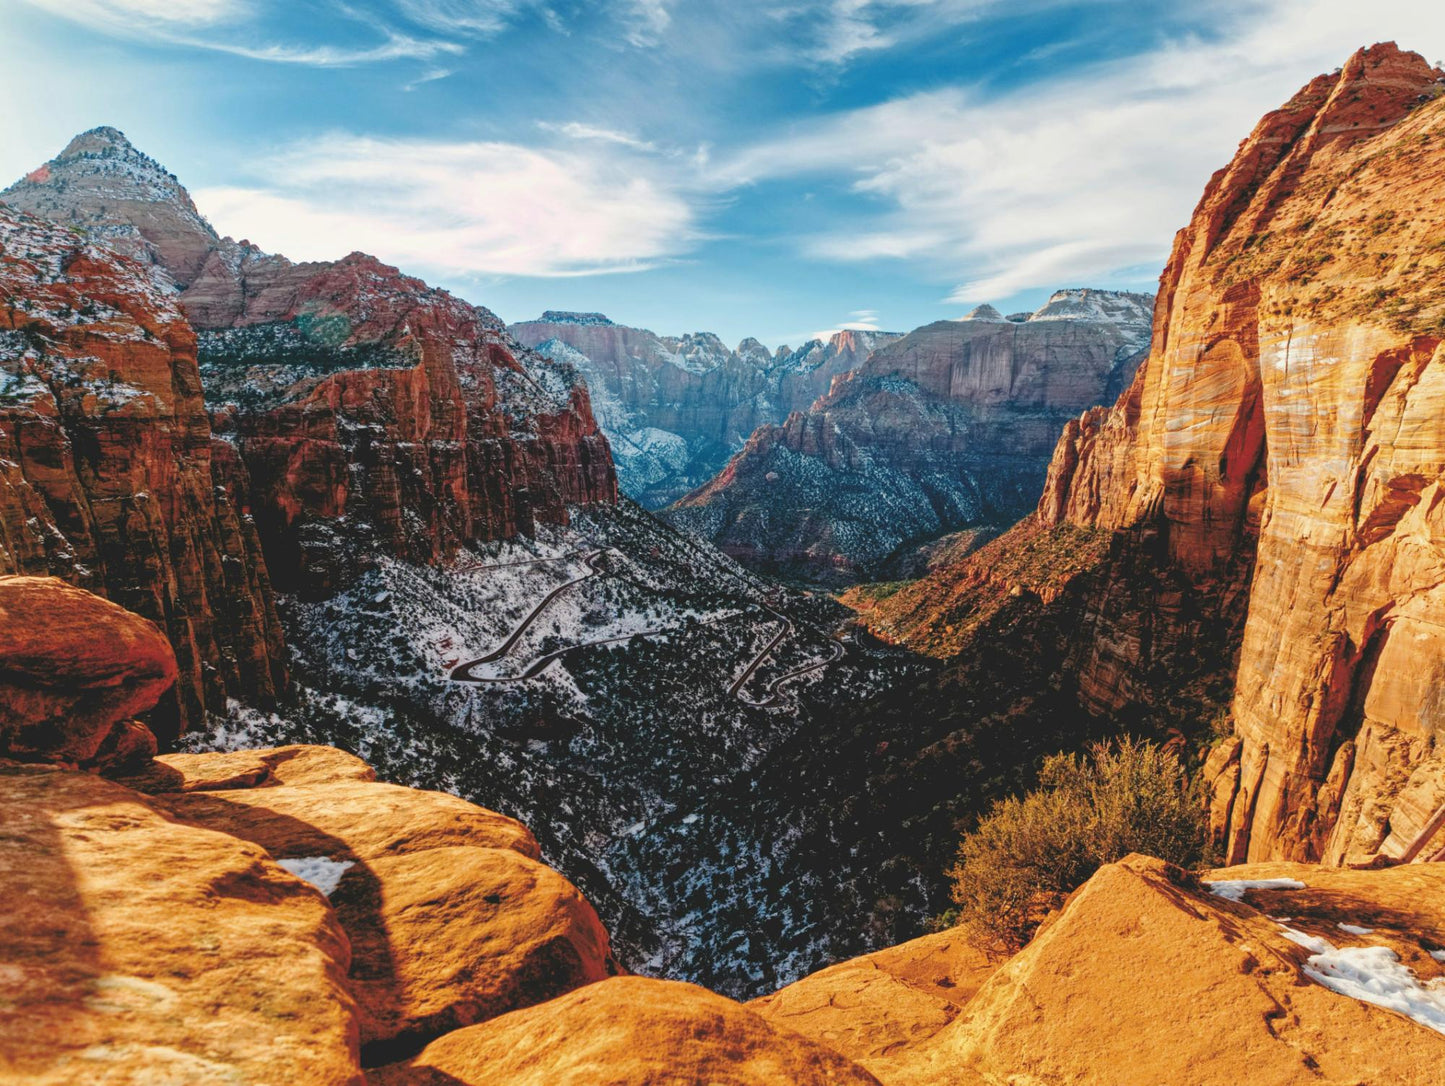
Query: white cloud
{"x":576,"y":130}
{"x":122,"y":13}
{"x":214,"y":25}
{"x":459,"y":208}
{"x":479,"y":17}
{"x":1078,"y":178}
{"x":645,"y":21}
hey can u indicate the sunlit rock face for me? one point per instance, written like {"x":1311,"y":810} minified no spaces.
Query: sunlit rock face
{"x":109,"y":475}
{"x":358,"y":407}
{"x":949,"y":427}
{"x":1294,"y":397}
{"x":675,"y":408}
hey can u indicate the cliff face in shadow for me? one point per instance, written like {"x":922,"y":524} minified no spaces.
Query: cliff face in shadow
{"x":947,"y":428}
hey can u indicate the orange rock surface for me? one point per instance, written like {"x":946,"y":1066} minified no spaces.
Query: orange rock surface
{"x":451,"y":936}
{"x":73,"y":668}
{"x":1295,"y":394}
{"x":261,"y":766}
{"x":451,"y":917}
{"x":873,"y":1006}
{"x":350,"y":819}
{"x":1145,"y":977}
{"x":625,"y":1032}
{"x":139,"y":950}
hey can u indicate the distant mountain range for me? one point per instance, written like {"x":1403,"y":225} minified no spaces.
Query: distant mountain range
{"x":675,"y":408}
{"x":949,"y":427}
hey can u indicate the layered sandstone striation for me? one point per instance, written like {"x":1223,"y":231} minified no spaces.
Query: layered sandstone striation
{"x":625,"y":1031}
{"x":675,"y":408}
{"x":950,"y":427}
{"x":1148,"y":977}
{"x":369,"y":408}
{"x":1293,"y":397}
{"x":360,"y":409}
{"x":108,"y":471}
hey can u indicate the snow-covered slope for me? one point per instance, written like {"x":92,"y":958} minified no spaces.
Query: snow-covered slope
{"x":674,"y":408}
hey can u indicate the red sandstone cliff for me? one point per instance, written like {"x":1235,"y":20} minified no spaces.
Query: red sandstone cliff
{"x":107,"y":463}
{"x":1296,"y":394}
{"x":363,"y":410}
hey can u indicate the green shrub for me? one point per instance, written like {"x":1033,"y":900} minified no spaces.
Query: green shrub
{"x":1028,"y":854}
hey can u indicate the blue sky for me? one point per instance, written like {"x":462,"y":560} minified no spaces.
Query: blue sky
{"x":774,"y":170}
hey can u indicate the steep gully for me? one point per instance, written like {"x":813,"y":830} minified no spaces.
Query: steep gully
{"x":463,"y":672}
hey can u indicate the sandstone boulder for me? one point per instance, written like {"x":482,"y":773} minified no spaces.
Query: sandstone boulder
{"x":452,"y":936}
{"x":260,"y":767}
{"x":1147,"y":977}
{"x":872,"y":1006}
{"x":73,"y":669}
{"x":625,"y":1032}
{"x":451,"y":918}
{"x":137,"y":950}
{"x":350,"y":819}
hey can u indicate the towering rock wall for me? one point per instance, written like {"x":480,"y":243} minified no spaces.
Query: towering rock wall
{"x":360,"y":409}
{"x":675,"y":408}
{"x":949,"y":427}
{"x":108,"y":470}
{"x":1294,"y":396}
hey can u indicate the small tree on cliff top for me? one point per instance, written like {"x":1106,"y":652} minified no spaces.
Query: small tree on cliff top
{"x":1028,"y":854}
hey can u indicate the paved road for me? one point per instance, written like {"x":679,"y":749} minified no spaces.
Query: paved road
{"x":773,"y":687}
{"x":734,"y":691}
{"x":462,"y":672}
{"x":477,"y":567}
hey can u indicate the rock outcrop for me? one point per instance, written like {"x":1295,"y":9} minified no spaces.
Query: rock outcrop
{"x":361,"y":409}
{"x":1293,"y":398}
{"x":137,"y":948}
{"x":872,"y":1007}
{"x":676,"y":408}
{"x":108,"y":470}
{"x":74,"y":670}
{"x":1146,"y":977}
{"x":625,"y":1031}
{"x":950,"y":427}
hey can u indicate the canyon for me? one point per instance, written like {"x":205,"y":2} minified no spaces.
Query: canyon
{"x":948,"y":428}
{"x":675,"y":408}
{"x":1252,"y":528}
{"x":354,"y":727}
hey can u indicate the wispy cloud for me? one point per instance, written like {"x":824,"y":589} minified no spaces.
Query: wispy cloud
{"x":459,"y":208}
{"x":468,"y":17}
{"x":232,"y":27}
{"x":576,"y":130}
{"x":1077,"y":178}
{"x":645,"y":21}
{"x":166,"y":13}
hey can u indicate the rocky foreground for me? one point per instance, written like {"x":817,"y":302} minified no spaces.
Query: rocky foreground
{"x":280,"y":916}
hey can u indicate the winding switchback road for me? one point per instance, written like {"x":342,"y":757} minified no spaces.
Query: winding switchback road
{"x":462,"y":672}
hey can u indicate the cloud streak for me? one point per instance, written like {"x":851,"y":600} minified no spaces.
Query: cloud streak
{"x":1077,"y":179}
{"x":455,"y":209}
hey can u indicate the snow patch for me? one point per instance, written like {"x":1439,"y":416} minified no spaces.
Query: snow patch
{"x":1375,"y":974}
{"x":321,"y":872}
{"x":1235,"y":889}
{"x":1354,"y":929}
